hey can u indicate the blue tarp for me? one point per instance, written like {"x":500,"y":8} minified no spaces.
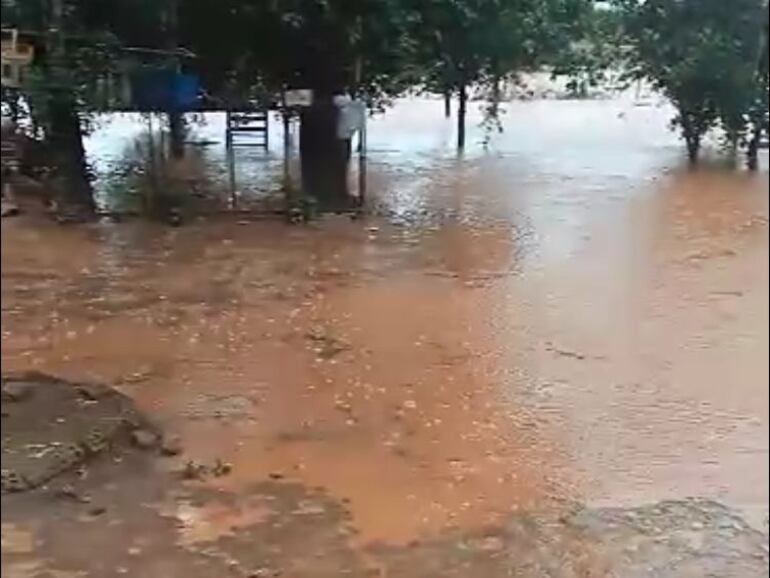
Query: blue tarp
{"x":162,"y":90}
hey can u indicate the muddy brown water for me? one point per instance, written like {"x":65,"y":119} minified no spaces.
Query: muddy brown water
{"x":566,"y":315}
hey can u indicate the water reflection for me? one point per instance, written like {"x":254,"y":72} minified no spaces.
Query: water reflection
{"x":544,"y":144}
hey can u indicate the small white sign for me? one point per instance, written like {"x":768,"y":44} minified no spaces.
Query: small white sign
{"x":351,"y":119}
{"x":299,"y":97}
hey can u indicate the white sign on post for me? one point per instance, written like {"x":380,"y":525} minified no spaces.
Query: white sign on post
{"x":352,"y":117}
{"x":299,"y":98}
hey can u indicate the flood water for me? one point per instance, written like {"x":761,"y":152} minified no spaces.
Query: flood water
{"x":566,"y":314}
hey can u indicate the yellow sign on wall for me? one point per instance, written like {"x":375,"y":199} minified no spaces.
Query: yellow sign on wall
{"x":16,"y":56}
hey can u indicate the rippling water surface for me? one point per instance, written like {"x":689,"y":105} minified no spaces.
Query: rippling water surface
{"x":567,"y":313}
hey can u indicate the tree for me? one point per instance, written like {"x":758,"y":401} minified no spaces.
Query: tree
{"x":77,"y":42}
{"x":252,"y":51}
{"x":464,"y":43}
{"x":741,"y":97}
{"x":329,"y":46}
{"x":50,"y":96}
{"x":701,"y":54}
{"x":758,"y":116}
{"x":591,"y":51}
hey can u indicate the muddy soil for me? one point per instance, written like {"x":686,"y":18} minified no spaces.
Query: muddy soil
{"x":51,"y":426}
{"x":134,"y":518}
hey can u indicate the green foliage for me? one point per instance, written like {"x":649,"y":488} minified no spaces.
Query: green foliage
{"x":758,"y":114}
{"x":470,"y":41}
{"x":248,"y":48}
{"x":252,"y":50}
{"x":91,"y":48}
{"x":79,"y":43}
{"x":592,"y":52}
{"x":701,"y":54}
{"x":486,"y":43}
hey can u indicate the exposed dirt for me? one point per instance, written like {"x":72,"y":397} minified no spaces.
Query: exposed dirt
{"x":51,"y":426}
{"x":135,"y":518}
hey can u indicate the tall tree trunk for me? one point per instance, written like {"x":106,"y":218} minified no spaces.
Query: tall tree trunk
{"x":732,"y":148}
{"x":447,"y":102}
{"x":461,"y":110}
{"x":176,"y":126}
{"x":324,"y":158}
{"x":693,"y":149}
{"x":287,"y":186}
{"x":692,"y":138}
{"x":74,"y":190}
{"x":176,"y":130}
{"x":752,"y":152}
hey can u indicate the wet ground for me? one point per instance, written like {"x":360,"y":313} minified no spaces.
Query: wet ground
{"x":51,"y":427}
{"x":565,"y":317}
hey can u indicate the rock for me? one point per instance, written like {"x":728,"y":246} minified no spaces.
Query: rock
{"x":68,"y":492}
{"x":59,"y":428}
{"x":491,"y":544}
{"x":92,"y":391}
{"x":193,"y":471}
{"x":144,"y":439}
{"x":97,"y":511}
{"x":263,"y":573}
{"x":221,"y":469}
{"x":15,"y":391}
{"x":9,"y":209}
{"x":71,"y":216}
{"x":171,"y":446}
{"x":174,"y":218}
